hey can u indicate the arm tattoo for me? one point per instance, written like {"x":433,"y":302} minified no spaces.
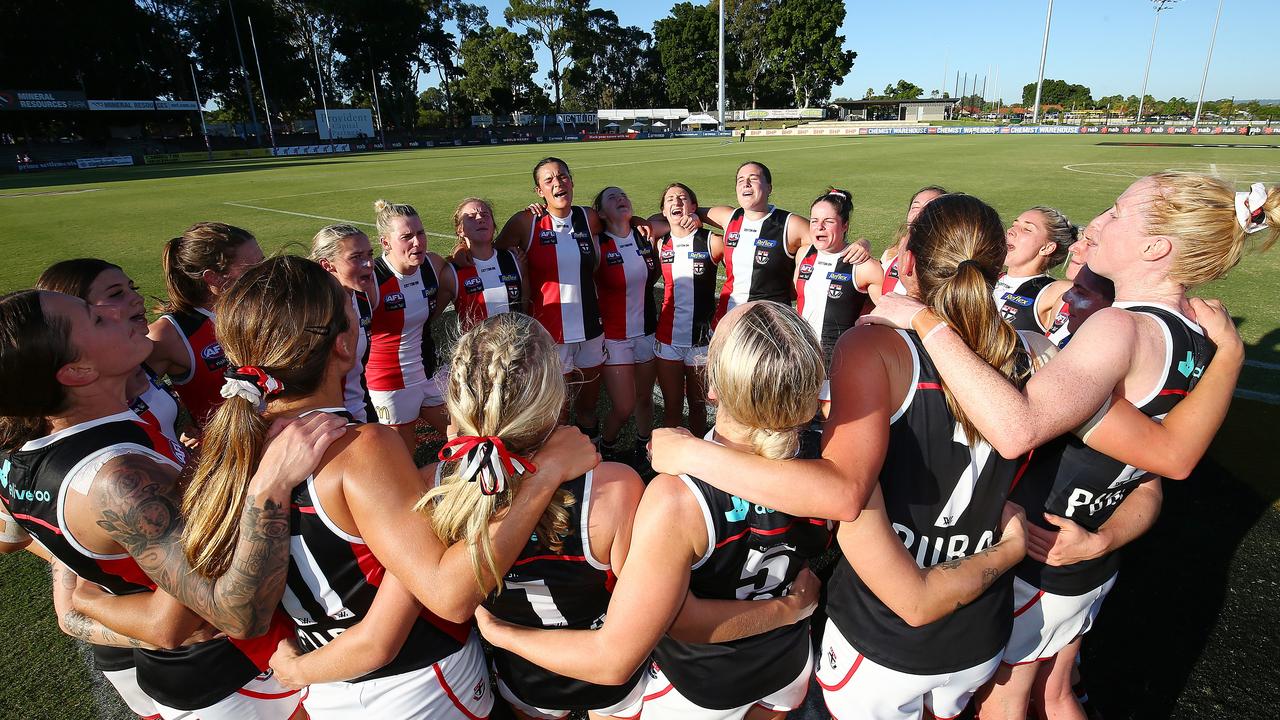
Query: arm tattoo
{"x":139,"y":500}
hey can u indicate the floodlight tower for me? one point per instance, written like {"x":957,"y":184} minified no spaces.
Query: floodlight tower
{"x":1142,"y":97}
{"x":720,"y":94}
{"x":1205,"y":78}
{"x":1044,"y":49}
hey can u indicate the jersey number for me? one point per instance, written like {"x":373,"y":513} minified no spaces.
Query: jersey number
{"x":764,"y":574}
{"x":539,"y":597}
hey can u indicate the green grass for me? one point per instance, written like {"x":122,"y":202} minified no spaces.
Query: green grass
{"x":125,"y":215}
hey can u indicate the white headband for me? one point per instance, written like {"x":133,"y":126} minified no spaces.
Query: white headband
{"x":1248,"y":204}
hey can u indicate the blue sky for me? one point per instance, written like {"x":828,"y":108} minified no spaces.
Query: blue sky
{"x":1099,"y":44}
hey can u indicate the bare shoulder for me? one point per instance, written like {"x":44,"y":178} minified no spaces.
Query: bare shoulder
{"x":137,"y":501}
{"x":616,"y":485}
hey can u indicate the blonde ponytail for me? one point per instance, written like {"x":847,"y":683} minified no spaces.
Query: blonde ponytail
{"x":505,"y":381}
{"x":959,"y":247}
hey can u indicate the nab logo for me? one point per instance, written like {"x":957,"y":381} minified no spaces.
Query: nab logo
{"x":547,"y":237}
{"x":393,"y":301}
{"x":473,"y":285}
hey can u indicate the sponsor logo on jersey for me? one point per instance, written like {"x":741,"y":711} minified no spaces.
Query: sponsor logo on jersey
{"x":731,"y":239}
{"x":366,"y":321}
{"x":509,"y":278}
{"x":580,"y":235}
{"x":613,"y":257}
{"x":766,"y":243}
{"x":669,"y":256}
{"x":831,"y":657}
{"x":806,"y":271}
{"x":699,"y":255}
{"x":1018,"y":299}
{"x":213,"y":356}
{"x":929,"y":551}
{"x":840,"y":277}
{"x":178,"y":452}
{"x":762,"y":257}
{"x":138,"y":406}
{"x":4,"y":473}
{"x":547,"y":237}
{"x":430,"y":291}
{"x":477,"y":692}
{"x":393,"y":301}
{"x":473,"y":284}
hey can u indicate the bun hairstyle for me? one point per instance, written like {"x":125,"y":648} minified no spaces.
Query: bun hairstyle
{"x":203,"y":246}
{"x":328,"y":242}
{"x":385,"y":212}
{"x":73,"y":277}
{"x":282,"y":317}
{"x":840,"y":200}
{"x":1061,"y":232}
{"x":959,"y":247}
{"x":766,"y":370}
{"x":33,"y":346}
{"x":505,"y":381}
{"x":1198,"y":213}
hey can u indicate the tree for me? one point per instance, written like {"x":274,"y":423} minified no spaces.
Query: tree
{"x":440,"y":47}
{"x":686,"y":43}
{"x":808,"y":49}
{"x":749,"y":51}
{"x":549,"y":23}
{"x":1058,"y":92}
{"x":903,"y":90}
{"x":871,"y":93}
{"x":497,"y":72}
{"x":612,"y":66}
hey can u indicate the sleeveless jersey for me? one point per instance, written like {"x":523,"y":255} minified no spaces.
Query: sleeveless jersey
{"x":891,"y":282}
{"x":562,"y":262}
{"x":34,"y":482}
{"x":689,"y":290}
{"x":157,"y":405}
{"x":944,"y":499}
{"x":355,"y":391}
{"x":333,"y":578}
{"x":487,"y":288}
{"x":200,"y":388}
{"x":569,"y":589}
{"x":757,"y":263}
{"x":828,"y":296}
{"x":401,"y":349}
{"x":1016,"y":299}
{"x":1059,"y":332}
{"x":625,"y":281}
{"x":1072,"y":480}
{"x":753,"y":553}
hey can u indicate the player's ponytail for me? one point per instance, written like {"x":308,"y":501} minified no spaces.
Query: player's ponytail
{"x":1210,"y":224}
{"x":959,"y":247}
{"x":33,"y":346}
{"x":278,"y":322}
{"x":203,"y":246}
{"x":505,"y":382}
{"x":766,"y":370}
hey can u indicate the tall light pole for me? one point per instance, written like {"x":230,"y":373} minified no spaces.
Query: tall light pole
{"x":1205,"y":78}
{"x":266,"y":107}
{"x":244,"y":75}
{"x":378,"y":107}
{"x":204,"y":129}
{"x":720,"y":99}
{"x":315,"y":52}
{"x":1044,"y":51}
{"x":1142,"y":98}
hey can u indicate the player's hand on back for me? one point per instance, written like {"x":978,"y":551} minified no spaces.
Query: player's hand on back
{"x":567,"y":454}
{"x":1218,"y":325}
{"x":294,"y":448}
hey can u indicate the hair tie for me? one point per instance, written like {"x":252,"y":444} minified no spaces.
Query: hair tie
{"x":251,"y":383}
{"x":485,"y":460}
{"x":971,"y":261}
{"x":1249,"y":211}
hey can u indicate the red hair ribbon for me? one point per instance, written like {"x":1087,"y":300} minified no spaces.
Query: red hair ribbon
{"x":256,"y":375}
{"x":485,"y":460}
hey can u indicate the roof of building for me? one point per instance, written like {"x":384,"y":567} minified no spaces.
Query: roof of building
{"x":894,"y":101}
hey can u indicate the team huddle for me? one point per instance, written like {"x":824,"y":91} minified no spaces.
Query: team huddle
{"x":920,"y":470}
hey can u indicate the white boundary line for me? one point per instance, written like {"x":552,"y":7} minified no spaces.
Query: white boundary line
{"x":1214,"y":169}
{"x":317,"y":217}
{"x":678,"y":158}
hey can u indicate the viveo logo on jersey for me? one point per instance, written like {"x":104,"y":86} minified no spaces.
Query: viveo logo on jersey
{"x":4,"y":473}
{"x":393,"y":301}
{"x":473,"y":285}
{"x":213,"y":356}
{"x":547,"y":237}
{"x":613,"y":257}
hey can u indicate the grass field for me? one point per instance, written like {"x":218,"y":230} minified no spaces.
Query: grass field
{"x":1192,"y":629}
